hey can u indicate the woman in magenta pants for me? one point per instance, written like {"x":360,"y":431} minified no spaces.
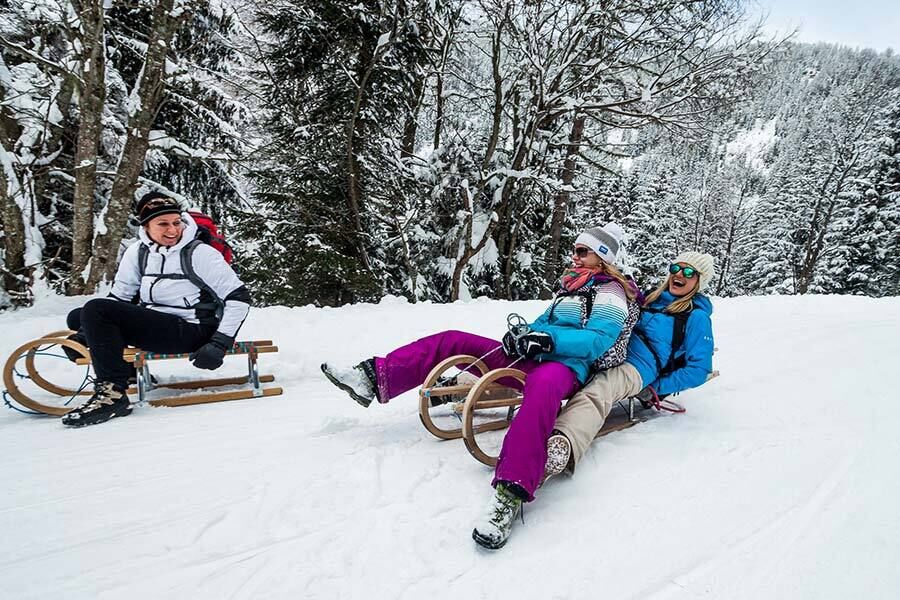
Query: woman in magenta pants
{"x":588,"y":321}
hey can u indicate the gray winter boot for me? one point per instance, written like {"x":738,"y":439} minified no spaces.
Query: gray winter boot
{"x":493,"y":529}
{"x":359,"y":381}
{"x":559,"y":453}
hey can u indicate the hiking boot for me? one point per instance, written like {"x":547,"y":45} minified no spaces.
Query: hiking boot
{"x":493,"y":529}
{"x":358,"y":381}
{"x":559,"y":453}
{"x":108,"y":401}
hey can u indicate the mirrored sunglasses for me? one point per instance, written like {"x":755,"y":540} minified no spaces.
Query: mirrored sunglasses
{"x":688,"y":272}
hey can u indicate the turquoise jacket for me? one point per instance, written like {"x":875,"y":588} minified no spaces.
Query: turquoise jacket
{"x":656,"y":329}
{"x":583,"y":324}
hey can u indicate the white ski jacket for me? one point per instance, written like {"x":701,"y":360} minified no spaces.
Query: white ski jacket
{"x":159,"y":290}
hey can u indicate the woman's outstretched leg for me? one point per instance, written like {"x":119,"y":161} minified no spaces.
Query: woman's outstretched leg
{"x":405,"y":368}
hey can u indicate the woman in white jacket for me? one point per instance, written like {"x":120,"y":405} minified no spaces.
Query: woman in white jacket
{"x":172,"y":294}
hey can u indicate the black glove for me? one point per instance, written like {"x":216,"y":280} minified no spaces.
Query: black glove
{"x":509,"y":345}
{"x":648,"y":397}
{"x":534,"y":343}
{"x":210,"y":354}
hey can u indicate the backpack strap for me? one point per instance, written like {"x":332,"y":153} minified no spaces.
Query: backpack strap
{"x":143,"y":256}
{"x":216,"y":305}
{"x":679,"y":328}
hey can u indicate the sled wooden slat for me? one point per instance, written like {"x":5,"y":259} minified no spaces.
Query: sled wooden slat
{"x":199,"y":384}
{"x":212,"y":397}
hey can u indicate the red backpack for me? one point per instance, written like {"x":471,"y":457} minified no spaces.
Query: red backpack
{"x":208,"y":232}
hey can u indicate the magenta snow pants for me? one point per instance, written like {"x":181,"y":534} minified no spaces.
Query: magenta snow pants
{"x":524,"y":453}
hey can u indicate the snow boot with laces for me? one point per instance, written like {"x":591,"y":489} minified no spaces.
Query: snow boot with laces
{"x":493,"y":529}
{"x":359,"y":381}
{"x":108,"y":401}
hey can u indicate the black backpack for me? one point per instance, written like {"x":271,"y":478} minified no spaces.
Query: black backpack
{"x":679,"y":327}
{"x":210,"y":307}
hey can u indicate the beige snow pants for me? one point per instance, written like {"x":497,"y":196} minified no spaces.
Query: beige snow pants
{"x":583,"y":416}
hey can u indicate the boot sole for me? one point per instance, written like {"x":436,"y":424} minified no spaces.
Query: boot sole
{"x":486,"y":542}
{"x":78,"y":423}
{"x":364,"y":402}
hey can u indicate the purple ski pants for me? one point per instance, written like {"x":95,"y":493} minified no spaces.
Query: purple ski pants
{"x":524,"y":453}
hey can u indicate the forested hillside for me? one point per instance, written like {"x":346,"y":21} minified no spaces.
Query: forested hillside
{"x":445,"y":149}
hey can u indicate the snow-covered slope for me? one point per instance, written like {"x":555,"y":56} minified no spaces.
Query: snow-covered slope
{"x":779,"y":482}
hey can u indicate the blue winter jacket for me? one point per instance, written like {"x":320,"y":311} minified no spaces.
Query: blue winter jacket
{"x":657,"y":329}
{"x":583,"y":325}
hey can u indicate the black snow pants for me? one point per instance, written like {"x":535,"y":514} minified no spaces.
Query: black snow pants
{"x":110,"y":325}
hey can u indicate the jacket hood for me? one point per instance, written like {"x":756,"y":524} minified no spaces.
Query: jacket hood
{"x":190,"y":232}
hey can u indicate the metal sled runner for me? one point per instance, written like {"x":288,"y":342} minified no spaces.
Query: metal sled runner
{"x":477,"y":391}
{"x":145,"y":382}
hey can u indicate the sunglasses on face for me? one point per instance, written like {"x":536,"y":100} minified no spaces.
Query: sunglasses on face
{"x":581,"y":251}
{"x":688,"y":272}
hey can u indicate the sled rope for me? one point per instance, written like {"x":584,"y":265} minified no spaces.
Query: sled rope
{"x":88,"y":380}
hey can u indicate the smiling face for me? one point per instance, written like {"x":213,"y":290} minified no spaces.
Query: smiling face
{"x":584,"y":257}
{"x":165,"y":230}
{"x":679,"y":285}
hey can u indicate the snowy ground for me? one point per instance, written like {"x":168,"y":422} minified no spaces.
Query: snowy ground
{"x":779,"y":482}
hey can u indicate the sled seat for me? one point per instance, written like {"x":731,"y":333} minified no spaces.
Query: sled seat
{"x":145,"y":383}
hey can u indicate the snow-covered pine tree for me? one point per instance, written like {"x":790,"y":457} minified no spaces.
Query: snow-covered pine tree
{"x":340,"y":75}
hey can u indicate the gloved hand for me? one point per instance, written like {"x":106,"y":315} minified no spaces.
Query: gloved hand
{"x":210,"y":355}
{"x":509,"y":345}
{"x":534,"y":343}
{"x":648,"y":397}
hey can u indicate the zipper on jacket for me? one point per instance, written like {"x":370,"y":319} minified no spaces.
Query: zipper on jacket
{"x":162,"y":270}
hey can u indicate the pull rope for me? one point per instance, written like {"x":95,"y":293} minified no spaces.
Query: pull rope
{"x":663,"y":403}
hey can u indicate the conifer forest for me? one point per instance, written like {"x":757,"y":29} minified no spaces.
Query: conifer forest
{"x":445,"y":149}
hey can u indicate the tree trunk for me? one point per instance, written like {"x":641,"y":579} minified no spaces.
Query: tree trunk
{"x":149,"y":92}
{"x":92,"y":97}
{"x":561,"y":206}
{"x":15,"y":281}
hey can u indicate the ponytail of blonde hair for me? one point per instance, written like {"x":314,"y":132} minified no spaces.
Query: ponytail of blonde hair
{"x":613,"y":272}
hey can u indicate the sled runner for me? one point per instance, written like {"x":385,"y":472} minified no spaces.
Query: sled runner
{"x":145,"y":383}
{"x":484,"y":401}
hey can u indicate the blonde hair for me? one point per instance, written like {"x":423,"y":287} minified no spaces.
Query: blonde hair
{"x":613,"y":272}
{"x":678,"y":305}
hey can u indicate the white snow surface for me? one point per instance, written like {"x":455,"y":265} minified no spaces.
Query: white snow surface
{"x":779,"y":482}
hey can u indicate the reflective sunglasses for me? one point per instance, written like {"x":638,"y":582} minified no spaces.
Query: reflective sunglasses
{"x":688,"y":272}
{"x":581,"y":251}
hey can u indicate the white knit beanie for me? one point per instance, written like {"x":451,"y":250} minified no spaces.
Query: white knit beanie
{"x":605,"y":241}
{"x":704,"y":263}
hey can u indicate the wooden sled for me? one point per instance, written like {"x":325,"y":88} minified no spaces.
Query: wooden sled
{"x":478,"y":390}
{"x":30,"y":350}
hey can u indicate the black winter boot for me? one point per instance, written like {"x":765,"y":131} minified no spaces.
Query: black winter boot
{"x":108,"y":401}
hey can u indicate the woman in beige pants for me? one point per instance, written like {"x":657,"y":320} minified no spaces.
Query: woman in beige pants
{"x":653,"y":366}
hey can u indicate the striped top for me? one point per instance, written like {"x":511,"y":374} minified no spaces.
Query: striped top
{"x":584,"y":324}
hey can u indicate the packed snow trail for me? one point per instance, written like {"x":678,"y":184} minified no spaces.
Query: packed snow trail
{"x":779,"y":482}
